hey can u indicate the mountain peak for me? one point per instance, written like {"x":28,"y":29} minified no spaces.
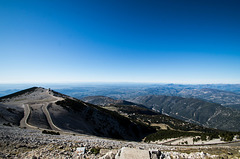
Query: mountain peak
{"x":41,"y":108}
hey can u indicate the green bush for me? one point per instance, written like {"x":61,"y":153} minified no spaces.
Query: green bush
{"x":95,"y":150}
{"x":196,"y":139}
{"x":227,"y":136}
{"x":166,"y":134}
{"x":203,"y":137}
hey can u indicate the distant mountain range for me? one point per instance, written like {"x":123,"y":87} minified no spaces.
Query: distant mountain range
{"x":193,"y":110}
{"x":226,"y":95}
{"x":107,"y":101}
{"x":187,"y":109}
{"x":212,"y":95}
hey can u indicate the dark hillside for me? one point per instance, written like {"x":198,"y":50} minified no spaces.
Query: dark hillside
{"x":91,"y":119}
{"x":193,"y":110}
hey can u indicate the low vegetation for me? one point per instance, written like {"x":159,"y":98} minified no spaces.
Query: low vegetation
{"x":175,"y":128}
{"x":195,"y":110}
{"x":149,"y":117}
{"x":166,"y":134}
{"x":50,"y":132}
{"x":95,"y":150}
{"x":227,"y":136}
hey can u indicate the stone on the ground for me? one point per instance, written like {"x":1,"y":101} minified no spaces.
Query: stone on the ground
{"x":133,"y":153}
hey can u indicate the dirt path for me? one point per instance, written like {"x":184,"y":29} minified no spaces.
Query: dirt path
{"x":49,"y":119}
{"x":23,"y":122}
{"x":27,"y":111}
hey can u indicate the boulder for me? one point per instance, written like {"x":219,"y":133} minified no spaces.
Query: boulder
{"x":109,"y":155}
{"x":133,"y":153}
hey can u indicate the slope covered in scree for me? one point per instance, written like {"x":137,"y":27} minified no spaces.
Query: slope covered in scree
{"x":78,"y":116}
{"x":14,"y":106}
{"x":29,"y":90}
{"x":11,"y":108}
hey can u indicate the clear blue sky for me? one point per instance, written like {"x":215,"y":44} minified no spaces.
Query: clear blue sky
{"x":170,"y":41}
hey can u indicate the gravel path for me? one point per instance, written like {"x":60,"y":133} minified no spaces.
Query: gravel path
{"x":23,"y":122}
{"x":49,"y":119}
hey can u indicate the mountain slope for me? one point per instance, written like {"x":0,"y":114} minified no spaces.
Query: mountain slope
{"x":140,"y":113}
{"x":212,"y":95}
{"x":106,"y":101}
{"x":67,"y":114}
{"x":193,"y":110}
{"x":92,"y":119}
{"x":222,"y":97}
{"x":11,"y":106}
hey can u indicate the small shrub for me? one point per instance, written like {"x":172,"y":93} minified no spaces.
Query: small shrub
{"x":50,"y":132}
{"x":7,"y":124}
{"x":95,"y":150}
{"x":203,"y":137}
{"x":196,"y":139}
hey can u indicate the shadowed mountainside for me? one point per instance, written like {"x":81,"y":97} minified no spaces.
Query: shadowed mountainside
{"x":137,"y":112}
{"x":166,"y":126}
{"x":78,"y":116}
{"x":193,"y":110}
{"x":69,"y":114}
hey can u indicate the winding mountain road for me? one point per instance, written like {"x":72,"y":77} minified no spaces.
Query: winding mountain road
{"x":27,"y":111}
{"x":23,"y":122}
{"x":49,"y":119}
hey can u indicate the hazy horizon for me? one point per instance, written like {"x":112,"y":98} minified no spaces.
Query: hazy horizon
{"x":182,"y":42}
{"x":114,"y":83}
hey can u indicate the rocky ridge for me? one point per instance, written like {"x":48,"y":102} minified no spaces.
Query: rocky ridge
{"x":25,"y":143}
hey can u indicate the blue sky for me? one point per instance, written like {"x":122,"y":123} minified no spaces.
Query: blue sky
{"x":54,"y":41}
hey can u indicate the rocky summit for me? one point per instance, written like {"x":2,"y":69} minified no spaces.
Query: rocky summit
{"x":29,"y":143}
{"x":47,"y":109}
